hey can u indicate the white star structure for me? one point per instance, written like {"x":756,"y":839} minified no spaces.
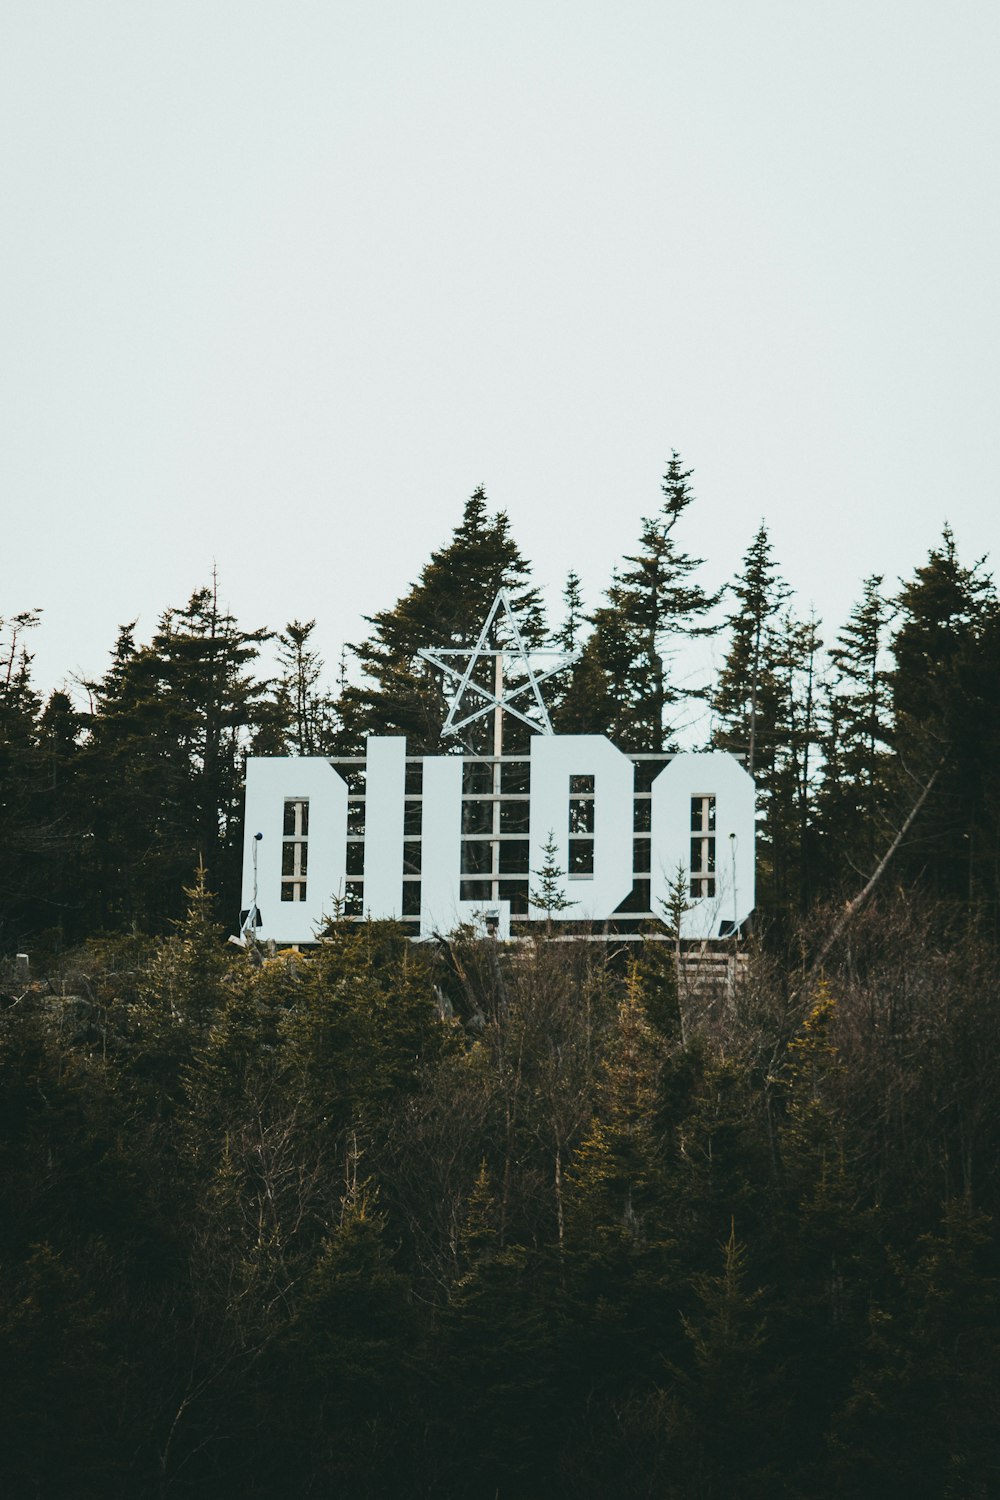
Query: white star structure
{"x":461,"y":678}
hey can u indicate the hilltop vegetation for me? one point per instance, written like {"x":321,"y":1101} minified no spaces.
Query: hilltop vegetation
{"x":105,"y":813}
{"x":472,"y":1220}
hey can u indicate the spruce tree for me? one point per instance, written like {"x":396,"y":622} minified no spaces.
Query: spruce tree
{"x":855,"y":795}
{"x":305,"y":713}
{"x":202,"y":660}
{"x":946,"y":714}
{"x":61,"y":867}
{"x":653,"y":604}
{"x":163,"y":766}
{"x":182,"y":991}
{"x":568,"y":636}
{"x":342,"y":1412}
{"x":40,"y":831}
{"x":725,"y":1408}
{"x":614,"y":1179}
{"x":597,"y":695}
{"x":787,"y":790}
{"x":921,"y":1418}
{"x":19,"y":706}
{"x":446,"y":607}
{"x":549,"y":895}
{"x":767,"y":706}
{"x":747,"y":696}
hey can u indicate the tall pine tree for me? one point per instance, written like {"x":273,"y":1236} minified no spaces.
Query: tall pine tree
{"x":947,"y":664}
{"x":747,"y":694}
{"x":855,"y":797}
{"x":624,"y":686}
{"x":163,"y":765}
{"x":446,"y":607}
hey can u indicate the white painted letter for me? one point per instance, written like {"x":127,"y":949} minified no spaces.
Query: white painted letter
{"x":441,"y":859}
{"x":554,"y":759}
{"x":385,"y":789}
{"x":271,"y":782}
{"x":687,"y":777}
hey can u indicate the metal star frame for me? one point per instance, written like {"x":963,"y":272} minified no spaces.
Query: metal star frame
{"x":501,"y":698}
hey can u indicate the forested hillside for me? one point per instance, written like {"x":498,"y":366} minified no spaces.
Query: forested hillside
{"x":528,"y":1221}
{"x":105,"y":811}
{"x":465,"y":1219}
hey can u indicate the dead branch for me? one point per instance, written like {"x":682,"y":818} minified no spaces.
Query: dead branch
{"x":854,"y":906}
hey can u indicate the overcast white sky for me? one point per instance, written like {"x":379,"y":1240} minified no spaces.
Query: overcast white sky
{"x":282,"y":283}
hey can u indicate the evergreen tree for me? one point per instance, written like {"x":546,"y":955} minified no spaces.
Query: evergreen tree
{"x":596,"y":695}
{"x":568,"y":636}
{"x":940,"y":610}
{"x":614,"y":1178}
{"x":620,"y":1301}
{"x":747,"y":696}
{"x":946,"y":716}
{"x":855,"y":794}
{"x":723,"y":1416}
{"x":62,"y":1385}
{"x":42,"y":834}
{"x":163,"y":764}
{"x":826,"y":1243}
{"x":549,"y":896}
{"x":340,"y":1399}
{"x":921,"y":1419}
{"x":499,"y":1399}
{"x":240,"y":1083}
{"x":198,"y":961}
{"x":364,"y":1025}
{"x":722,"y":1162}
{"x":787,"y":790}
{"x":445,"y":608}
{"x":126,"y":770}
{"x":306,"y":712}
{"x":181,"y":992}
{"x":60,"y":866}
{"x":653,"y":603}
{"x":657,"y":967}
{"x":19,"y":832}
{"x":767,"y":704}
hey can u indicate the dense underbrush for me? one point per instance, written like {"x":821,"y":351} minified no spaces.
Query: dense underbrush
{"x":395,"y":1220}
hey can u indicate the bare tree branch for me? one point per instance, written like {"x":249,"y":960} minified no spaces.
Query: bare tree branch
{"x":854,"y":906}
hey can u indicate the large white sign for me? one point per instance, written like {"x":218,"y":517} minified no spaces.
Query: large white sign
{"x":438,"y":840}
